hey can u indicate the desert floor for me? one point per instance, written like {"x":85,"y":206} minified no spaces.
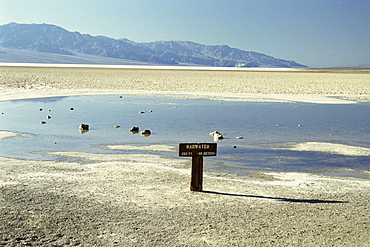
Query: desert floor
{"x":144,"y":200}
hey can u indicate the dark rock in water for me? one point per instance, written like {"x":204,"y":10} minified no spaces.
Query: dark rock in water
{"x":145,"y":133}
{"x":48,"y":117}
{"x":42,"y":122}
{"x":134,"y":130}
{"x":84,"y":128}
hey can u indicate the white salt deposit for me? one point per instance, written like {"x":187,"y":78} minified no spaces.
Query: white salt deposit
{"x":7,"y":134}
{"x":329,"y":148}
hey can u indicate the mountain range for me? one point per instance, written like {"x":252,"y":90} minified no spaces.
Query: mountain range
{"x":47,"y":43}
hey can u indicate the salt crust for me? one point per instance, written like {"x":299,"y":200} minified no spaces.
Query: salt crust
{"x":7,"y":134}
{"x":329,"y":148}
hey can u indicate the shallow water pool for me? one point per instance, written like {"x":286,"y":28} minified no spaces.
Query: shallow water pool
{"x":171,"y":121}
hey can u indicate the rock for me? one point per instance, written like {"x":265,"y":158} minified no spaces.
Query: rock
{"x":84,"y":128}
{"x":216,"y":136}
{"x":42,"y":122}
{"x":71,"y":108}
{"x":214,"y":133}
{"x":141,"y":111}
{"x":134,"y":130}
{"x":145,"y":133}
{"x":48,"y":117}
{"x":116,"y":126}
{"x":239,"y":137}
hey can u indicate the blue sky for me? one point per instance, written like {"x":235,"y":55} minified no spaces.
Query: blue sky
{"x":311,"y":32}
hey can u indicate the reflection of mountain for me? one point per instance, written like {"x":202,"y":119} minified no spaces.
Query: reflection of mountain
{"x":56,"y":41}
{"x":43,"y":100}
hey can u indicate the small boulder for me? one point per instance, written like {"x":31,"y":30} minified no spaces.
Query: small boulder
{"x":84,"y":128}
{"x":216,"y":136}
{"x":134,"y":130}
{"x":214,"y":133}
{"x":146,"y":133}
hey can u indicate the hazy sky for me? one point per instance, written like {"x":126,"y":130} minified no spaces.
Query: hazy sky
{"x":311,"y":32}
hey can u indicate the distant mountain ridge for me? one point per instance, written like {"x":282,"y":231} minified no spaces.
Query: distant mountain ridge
{"x":52,"y":39}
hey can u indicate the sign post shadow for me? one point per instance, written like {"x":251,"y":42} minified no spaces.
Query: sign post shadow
{"x":197,"y":151}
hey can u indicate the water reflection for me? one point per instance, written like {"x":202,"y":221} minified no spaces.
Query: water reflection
{"x":42,"y":100}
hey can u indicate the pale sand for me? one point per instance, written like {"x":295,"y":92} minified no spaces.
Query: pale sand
{"x":144,"y":200}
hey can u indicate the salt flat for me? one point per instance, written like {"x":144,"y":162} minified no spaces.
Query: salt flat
{"x":334,"y":86}
{"x":144,"y":200}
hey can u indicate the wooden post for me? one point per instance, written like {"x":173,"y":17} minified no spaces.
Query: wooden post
{"x":196,"y":151}
{"x":196,"y":183}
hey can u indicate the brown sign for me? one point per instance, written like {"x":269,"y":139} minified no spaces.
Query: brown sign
{"x":197,"y":149}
